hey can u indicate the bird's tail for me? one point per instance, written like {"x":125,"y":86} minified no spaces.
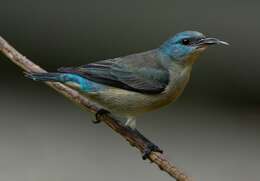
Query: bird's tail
{"x":54,"y":77}
{"x":73,"y":80}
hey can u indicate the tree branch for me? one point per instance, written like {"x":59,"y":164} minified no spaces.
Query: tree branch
{"x":155,"y":157}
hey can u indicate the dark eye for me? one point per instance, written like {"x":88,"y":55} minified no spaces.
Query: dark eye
{"x":185,"y":41}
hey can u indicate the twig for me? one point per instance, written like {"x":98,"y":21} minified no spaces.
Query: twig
{"x":76,"y":97}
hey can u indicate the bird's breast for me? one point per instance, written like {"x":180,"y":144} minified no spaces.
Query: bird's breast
{"x":179,"y":78}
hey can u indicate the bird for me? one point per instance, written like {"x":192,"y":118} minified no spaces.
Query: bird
{"x":131,"y":85}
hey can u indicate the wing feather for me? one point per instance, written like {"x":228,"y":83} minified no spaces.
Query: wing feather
{"x":137,"y":72}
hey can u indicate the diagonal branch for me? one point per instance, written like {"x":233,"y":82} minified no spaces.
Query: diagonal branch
{"x":77,"y":98}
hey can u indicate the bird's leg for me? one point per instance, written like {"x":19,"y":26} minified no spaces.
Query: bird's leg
{"x":150,"y":147}
{"x":99,"y":113}
{"x":147,"y":144}
{"x":129,"y":129}
{"x":131,"y":122}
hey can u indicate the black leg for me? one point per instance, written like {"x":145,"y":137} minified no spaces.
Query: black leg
{"x":98,"y":114}
{"x":148,"y":145}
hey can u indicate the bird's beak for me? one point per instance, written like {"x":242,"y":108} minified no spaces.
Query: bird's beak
{"x":210,"y":41}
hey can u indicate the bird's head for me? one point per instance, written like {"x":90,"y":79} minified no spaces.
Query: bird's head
{"x":185,"y":47}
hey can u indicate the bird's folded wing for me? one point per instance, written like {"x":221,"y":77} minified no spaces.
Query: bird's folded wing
{"x":137,"y":72}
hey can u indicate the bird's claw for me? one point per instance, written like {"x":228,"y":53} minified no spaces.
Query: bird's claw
{"x":99,"y":113}
{"x":149,"y":149}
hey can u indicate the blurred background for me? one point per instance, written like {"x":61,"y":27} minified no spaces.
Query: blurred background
{"x":212,"y":131}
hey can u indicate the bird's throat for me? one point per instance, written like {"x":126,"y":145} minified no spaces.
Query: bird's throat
{"x":192,"y":58}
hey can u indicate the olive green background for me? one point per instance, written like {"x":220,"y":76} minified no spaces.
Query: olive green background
{"x":212,"y":131}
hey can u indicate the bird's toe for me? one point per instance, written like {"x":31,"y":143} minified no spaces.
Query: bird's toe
{"x":149,"y":149}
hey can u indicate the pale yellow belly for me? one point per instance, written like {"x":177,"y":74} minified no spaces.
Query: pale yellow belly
{"x":129,"y":103}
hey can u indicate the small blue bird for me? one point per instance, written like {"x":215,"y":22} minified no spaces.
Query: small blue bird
{"x":134,"y":84}
{"x":131,"y":85}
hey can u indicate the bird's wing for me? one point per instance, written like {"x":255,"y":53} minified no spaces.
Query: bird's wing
{"x":137,"y":72}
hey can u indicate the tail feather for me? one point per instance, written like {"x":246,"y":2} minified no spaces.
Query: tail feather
{"x":43,"y":76}
{"x":72,"y":80}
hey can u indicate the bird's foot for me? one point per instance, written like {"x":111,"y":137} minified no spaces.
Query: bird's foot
{"x":150,"y":147}
{"x":98,"y":114}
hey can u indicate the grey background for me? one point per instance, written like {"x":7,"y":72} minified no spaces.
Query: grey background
{"x":212,"y":131}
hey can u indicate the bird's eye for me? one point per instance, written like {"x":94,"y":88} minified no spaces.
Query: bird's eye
{"x":185,"y":41}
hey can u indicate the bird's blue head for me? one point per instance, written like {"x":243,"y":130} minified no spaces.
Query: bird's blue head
{"x":185,"y":47}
